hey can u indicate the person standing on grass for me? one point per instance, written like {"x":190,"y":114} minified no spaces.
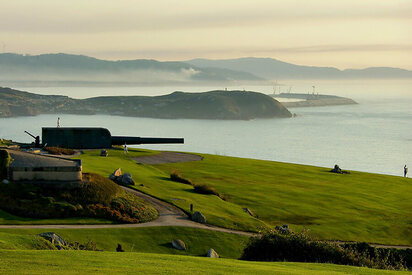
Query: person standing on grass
{"x":405,"y":170}
{"x":58,"y":122}
{"x":125,"y":149}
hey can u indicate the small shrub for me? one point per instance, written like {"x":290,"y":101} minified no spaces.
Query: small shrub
{"x":5,"y":161}
{"x":205,"y":189}
{"x":96,"y":189}
{"x":5,"y":142}
{"x":175,"y":175}
{"x":59,"y":151}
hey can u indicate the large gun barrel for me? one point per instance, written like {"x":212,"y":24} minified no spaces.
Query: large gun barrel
{"x":118,"y":140}
{"x":94,"y":138}
{"x":36,"y":139}
{"x":30,"y":134}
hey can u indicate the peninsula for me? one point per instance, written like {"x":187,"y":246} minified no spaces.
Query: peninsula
{"x":236,"y":105}
{"x":313,"y":100}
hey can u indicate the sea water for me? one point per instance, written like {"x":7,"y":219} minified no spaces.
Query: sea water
{"x":372,"y":136}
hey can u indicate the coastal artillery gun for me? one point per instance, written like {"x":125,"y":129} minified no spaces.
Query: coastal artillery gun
{"x":36,"y":139}
{"x":94,"y":138}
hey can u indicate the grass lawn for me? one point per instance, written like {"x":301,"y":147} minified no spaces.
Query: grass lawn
{"x":7,"y":218}
{"x":146,"y":239}
{"x":158,"y":184}
{"x":359,"y":206}
{"x":74,"y":262}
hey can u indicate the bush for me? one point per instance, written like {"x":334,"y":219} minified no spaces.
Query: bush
{"x":175,"y":175}
{"x":95,"y":197}
{"x":59,"y":151}
{"x":5,"y":161}
{"x":299,"y":247}
{"x":95,"y":189}
{"x":205,"y":189}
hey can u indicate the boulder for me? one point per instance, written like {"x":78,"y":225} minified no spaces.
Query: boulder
{"x":127,"y":179}
{"x":198,"y":217}
{"x":116,"y":174}
{"x":178,"y":244}
{"x":212,"y":253}
{"x":55,"y":239}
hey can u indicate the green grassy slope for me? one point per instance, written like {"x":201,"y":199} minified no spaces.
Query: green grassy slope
{"x":158,"y":184}
{"x":360,"y":206}
{"x":71,"y":262}
{"x":146,"y":239}
{"x":7,"y":218}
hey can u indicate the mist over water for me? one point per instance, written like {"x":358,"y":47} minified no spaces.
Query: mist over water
{"x":374,"y":136}
{"x":357,"y":89}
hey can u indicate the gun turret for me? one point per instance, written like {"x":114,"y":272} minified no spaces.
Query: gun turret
{"x":36,"y":139}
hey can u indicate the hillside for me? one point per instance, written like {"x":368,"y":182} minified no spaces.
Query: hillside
{"x":332,"y":206}
{"x":208,"y":105}
{"x":274,"y":69}
{"x":66,"y":69}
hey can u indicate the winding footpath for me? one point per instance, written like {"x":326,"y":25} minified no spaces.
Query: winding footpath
{"x":169,"y":215}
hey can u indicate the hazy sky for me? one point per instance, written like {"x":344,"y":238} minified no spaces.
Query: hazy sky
{"x":340,"y":33}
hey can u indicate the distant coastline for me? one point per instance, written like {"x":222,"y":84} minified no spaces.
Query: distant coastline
{"x":313,"y":100}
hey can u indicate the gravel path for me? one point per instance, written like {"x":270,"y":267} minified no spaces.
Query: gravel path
{"x":168,"y":157}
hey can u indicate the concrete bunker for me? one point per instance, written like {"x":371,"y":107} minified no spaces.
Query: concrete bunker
{"x":41,"y":168}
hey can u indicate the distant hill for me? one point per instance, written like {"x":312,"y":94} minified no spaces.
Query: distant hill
{"x":69,"y":69}
{"x":274,"y":69}
{"x":79,"y":70}
{"x":208,"y":105}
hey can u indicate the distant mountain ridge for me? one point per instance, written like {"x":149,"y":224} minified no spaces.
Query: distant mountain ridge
{"x":271,"y":69}
{"x":79,"y":68}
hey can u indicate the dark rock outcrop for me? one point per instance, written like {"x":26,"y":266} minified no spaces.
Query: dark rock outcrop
{"x":198,"y":217}
{"x":212,"y":253}
{"x":55,"y":239}
{"x":178,"y":244}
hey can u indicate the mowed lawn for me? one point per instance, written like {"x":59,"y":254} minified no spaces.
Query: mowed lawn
{"x":356,"y":207}
{"x":73,"y":262}
{"x":144,"y":239}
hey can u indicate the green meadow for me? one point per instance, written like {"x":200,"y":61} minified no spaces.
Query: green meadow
{"x":87,"y":262}
{"x":144,"y":239}
{"x":355,"y":207}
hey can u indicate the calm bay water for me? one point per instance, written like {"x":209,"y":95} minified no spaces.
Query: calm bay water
{"x":374,"y":136}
